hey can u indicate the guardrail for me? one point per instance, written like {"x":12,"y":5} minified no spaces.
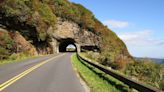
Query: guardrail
{"x":131,"y":83}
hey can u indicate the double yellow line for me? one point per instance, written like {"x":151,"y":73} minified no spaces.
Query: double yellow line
{"x":19,"y":76}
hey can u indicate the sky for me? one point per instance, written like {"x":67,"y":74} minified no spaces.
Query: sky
{"x":71,"y":46}
{"x":139,"y":23}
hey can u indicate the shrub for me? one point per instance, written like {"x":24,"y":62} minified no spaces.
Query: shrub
{"x":47,"y":14}
{"x":17,"y":8}
{"x":42,"y":36}
{"x":8,"y":41}
{"x":161,"y":84}
{"x":19,"y":56}
{"x":147,"y":71}
{"x":119,"y":65}
{"x":4,"y":53}
{"x":86,"y":17}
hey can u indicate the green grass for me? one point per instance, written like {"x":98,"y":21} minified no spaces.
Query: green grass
{"x":97,"y":80}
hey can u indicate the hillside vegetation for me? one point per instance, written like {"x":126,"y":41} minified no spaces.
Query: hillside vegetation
{"x":147,"y":71}
{"x":33,"y":18}
{"x":97,"y":80}
{"x":144,"y":70}
{"x":6,"y":44}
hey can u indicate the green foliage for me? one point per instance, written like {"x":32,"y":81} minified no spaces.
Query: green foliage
{"x":146,"y":71}
{"x":30,"y":13}
{"x":3,"y":53}
{"x":86,"y":17}
{"x":7,"y":41}
{"x":74,"y":12}
{"x":10,"y":11}
{"x":16,"y":57}
{"x":91,"y":55}
{"x":42,"y":36}
{"x":6,"y":45}
{"x":46,"y":1}
{"x":97,"y":80}
{"x":19,"y":56}
{"x":17,"y":8}
{"x":161,"y":84}
{"x":66,"y":10}
{"x":47,"y":14}
{"x":112,"y":48}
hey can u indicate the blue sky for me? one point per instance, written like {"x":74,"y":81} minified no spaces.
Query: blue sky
{"x":139,"y":23}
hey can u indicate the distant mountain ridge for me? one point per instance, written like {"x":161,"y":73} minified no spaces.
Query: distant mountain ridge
{"x":156,"y":60}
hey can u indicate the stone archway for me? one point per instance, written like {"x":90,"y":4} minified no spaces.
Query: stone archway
{"x":63,"y":43}
{"x":68,"y":32}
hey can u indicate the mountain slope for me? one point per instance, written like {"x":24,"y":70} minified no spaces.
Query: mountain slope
{"x":34,"y":18}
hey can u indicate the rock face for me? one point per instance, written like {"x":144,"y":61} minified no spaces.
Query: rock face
{"x":23,"y":45}
{"x":66,"y":30}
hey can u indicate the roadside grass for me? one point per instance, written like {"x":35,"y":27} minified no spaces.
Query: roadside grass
{"x":16,"y":58}
{"x":97,"y":80}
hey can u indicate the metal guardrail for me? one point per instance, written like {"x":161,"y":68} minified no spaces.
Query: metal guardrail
{"x":131,"y":83}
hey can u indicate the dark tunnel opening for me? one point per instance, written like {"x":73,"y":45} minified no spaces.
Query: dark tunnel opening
{"x":67,"y":45}
{"x":93,"y":48}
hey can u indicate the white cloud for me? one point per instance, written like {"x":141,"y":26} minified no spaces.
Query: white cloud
{"x":160,"y":42}
{"x":140,"y":38}
{"x":143,"y":43}
{"x":116,"y":24}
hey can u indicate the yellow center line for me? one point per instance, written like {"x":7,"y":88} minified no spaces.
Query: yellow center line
{"x":24,"y":73}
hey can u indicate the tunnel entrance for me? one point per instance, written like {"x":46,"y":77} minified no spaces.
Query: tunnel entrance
{"x":90,"y":48}
{"x":67,"y":45}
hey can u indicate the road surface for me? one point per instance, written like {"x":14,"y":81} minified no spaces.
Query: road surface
{"x":43,"y":74}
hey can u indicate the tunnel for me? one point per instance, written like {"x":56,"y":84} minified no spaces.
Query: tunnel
{"x":90,"y":48}
{"x":64,"y":43}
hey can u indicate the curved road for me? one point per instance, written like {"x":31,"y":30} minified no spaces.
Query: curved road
{"x":43,"y":74}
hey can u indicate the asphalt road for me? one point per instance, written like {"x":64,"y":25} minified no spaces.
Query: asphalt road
{"x":43,"y":74}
